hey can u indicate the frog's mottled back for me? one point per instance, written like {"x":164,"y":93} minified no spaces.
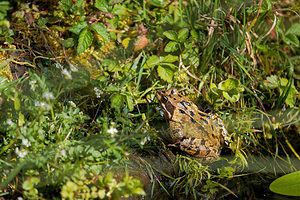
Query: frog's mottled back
{"x":195,"y":132}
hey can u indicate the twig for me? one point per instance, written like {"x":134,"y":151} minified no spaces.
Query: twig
{"x":262,"y":106}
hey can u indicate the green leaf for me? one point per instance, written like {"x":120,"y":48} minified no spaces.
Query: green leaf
{"x":101,"y":5}
{"x":291,"y":98}
{"x":183,"y":34}
{"x":169,"y":58}
{"x":158,"y":3}
{"x":21,"y":120}
{"x":17,"y":102}
{"x":101,"y":30}
{"x":139,"y":191}
{"x":42,"y":22}
{"x":77,"y":28}
{"x":116,"y":100}
{"x":171,"y":35}
{"x":165,"y":73}
{"x":152,"y":61}
{"x":171,"y":46}
{"x":68,"y":42}
{"x":129,"y":101}
{"x":231,"y":97}
{"x":101,"y":193}
{"x":77,"y":8}
{"x":229,"y":84}
{"x":287,"y":185}
{"x":85,"y":40}
{"x":272,"y":82}
{"x":65,"y":4}
{"x":291,"y":38}
{"x":294,"y":29}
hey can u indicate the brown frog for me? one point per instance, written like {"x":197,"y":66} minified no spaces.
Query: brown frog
{"x":195,"y":132}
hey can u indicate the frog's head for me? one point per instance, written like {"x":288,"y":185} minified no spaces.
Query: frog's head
{"x":164,"y":99}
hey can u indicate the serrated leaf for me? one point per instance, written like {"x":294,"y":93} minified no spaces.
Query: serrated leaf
{"x":171,"y":35}
{"x":85,"y":40}
{"x":65,"y":4}
{"x":294,"y":29}
{"x":68,"y":42}
{"x":152,"y":61}
{"x":169,"y":58}
{"x":165,"y":73}
{"x":77,"y":8}
{"x":77,"y":28}
{"x":287,"y":185}
{"x":171,"y":46}
{"x":101,"y":5}
{"x":183,"y":34}
{"x":101,"y":30}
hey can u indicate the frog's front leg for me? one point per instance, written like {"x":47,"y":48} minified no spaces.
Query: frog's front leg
{"x":198,"y":148}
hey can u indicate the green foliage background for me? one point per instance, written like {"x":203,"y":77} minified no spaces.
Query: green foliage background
{"x":78,"y":80}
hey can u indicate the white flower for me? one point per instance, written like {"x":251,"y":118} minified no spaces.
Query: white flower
{"x":72,"y":104}
{"x":26,"y":142}
{"x":57,"y":65}
{"x":32,"y":84}
{"x":73,"y":68}
{"x":98,"y":92}
{"x":20,"y":198}
{"x":43,"y":105}
{"x":10,"y":122}
{"x":144,"y":140}
{"x":66,"y":73}
{"x":112,"y":131}
{"x":21,"y":153}
{"x":63,"y":153}
{"x":48,"y":96}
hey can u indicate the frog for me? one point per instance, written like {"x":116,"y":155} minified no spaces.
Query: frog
{"x":196,"y":132}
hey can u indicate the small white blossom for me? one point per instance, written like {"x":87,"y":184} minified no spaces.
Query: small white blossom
{"x":48,"y":96}
{"x":20,"y":198}
{"x":63,"y":153}
{"x":72,"y":104}
{"x":26,"y":142}
{"x":21,"y":153}
{"x":10,"y":122}
{"x":144,"y":140}
{"x":112,"y":131}
{"x":66,"y":73}
{"x":57,"y":65}
{"x":98,"y":92}
{"x":32,"y":84}
{"x":73,"y":68}
{"x":43,"y":105}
